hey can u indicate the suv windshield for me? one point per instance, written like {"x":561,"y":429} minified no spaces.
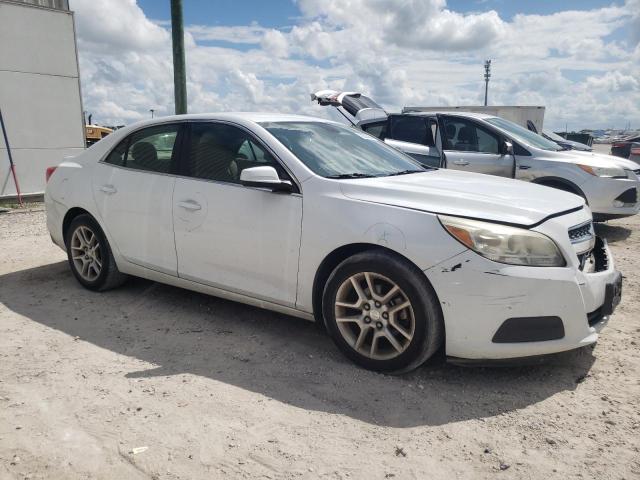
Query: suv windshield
{"x":523,"y":135}
{"x":336,"y":151}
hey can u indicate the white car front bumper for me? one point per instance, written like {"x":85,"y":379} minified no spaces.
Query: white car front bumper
{"x":478,"y":296}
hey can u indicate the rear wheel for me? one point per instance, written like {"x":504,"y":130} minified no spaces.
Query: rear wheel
{"x":382,"y":312}
{"x":90,"y":256}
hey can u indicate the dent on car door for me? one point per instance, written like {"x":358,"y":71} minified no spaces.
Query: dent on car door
{"x":471,"y":147}
{"x":133,"y":190}
{"x":241,"y":239}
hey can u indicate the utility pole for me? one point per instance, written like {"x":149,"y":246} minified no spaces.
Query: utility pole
{"x":487,"y":76}
{"x":179,"y":70}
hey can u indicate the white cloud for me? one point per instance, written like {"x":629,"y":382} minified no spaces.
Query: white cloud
{"x":400,"y":52}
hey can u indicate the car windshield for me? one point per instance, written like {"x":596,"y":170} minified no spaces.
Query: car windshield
{"x":336,"y":151}
{"x":524,"y":135}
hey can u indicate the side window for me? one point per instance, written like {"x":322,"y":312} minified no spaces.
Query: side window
{"x":118,"y":154}
{"x":376,"y":129}
{"x":150,"y":149}
{"x":412,"y":129}
{"x":463,"y":135}
{"x":220,"y":152}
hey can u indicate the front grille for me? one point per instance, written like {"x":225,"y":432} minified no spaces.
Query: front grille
{"x":581,"y":233}
{"x":595,"y":260}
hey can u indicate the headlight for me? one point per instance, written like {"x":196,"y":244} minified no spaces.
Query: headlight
{"x":608,"y":172}
{"x":500,"y":243}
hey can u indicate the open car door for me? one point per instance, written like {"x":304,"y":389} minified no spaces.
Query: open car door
{"x":361,"y":108}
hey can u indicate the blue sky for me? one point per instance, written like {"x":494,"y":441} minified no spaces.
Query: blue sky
{"x":580,"y":59}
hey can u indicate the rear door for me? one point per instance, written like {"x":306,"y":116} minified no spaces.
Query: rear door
{"x":133,"y":190}
{"x":415,"y":135}
{"x":471,"y":147}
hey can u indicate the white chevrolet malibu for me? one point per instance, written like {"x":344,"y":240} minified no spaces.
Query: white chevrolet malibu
{"x":317,"y":220}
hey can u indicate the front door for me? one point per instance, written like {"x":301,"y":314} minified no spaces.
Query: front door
{"x":229,"y":236}
{"x":470,"y":147}
{"x":133,"y":190}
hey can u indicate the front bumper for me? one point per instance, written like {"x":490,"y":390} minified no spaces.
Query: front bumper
{"x":608,"y":198}
{"x":479,"y":296}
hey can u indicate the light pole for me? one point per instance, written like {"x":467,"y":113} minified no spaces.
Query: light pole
{"x":179,"y":73}
{"x":151,"y":110}
{"x":487,"y":76}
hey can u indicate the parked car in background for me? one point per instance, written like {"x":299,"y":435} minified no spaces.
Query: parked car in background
{"x":634,"y":156}
{"x":322,"y":221}
{"x":622,"y":147}
{"x":481,"y":143}
{"x":564,"y":143}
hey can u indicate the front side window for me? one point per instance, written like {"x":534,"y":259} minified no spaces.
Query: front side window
{"x":463,"y":135}
{"x":337,"y":151}
{"x":218,"y":151}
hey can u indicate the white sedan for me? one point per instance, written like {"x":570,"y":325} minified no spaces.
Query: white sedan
{"x":317,"y":220}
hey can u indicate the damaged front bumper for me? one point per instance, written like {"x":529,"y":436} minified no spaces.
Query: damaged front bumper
{"x":496,"y":311}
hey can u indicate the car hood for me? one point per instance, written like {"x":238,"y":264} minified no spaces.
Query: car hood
{"x":465,"y":194}
{"x":592,"y":159}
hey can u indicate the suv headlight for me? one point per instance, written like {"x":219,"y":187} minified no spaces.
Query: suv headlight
{"x":504,"y":244}
{"x":608,"y":172}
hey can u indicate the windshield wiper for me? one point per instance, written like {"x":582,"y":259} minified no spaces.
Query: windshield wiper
{"x":350,"y":175}
{"x":405,"y":172}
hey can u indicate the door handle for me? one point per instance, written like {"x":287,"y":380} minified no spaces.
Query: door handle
{"x":524,"y":167}
{"x":108,"y":189}
{"x":460,"y":162}
{"x":190,"y":205}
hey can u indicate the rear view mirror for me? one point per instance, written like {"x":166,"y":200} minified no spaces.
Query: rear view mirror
{"x":264,"y":177}
{"x":506,"y":148}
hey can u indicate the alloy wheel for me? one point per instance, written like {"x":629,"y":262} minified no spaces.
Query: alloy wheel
{"x":86,"y":253}
{"x":374,"y":316}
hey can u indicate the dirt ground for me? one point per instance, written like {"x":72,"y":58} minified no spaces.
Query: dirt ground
{"x":150,"y":381}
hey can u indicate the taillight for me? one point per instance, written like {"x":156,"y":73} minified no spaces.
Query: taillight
{"x":49,"y":172}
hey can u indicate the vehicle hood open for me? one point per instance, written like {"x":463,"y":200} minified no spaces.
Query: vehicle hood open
{"x":464,"y":194}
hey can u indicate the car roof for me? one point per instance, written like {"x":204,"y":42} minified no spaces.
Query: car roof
{"x":239,"y":117}
{"x":452,"y":113}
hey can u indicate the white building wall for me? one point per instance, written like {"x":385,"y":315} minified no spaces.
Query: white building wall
{"x":39,"y":93}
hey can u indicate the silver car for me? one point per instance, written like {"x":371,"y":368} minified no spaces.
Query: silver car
{"x":483,"y":143}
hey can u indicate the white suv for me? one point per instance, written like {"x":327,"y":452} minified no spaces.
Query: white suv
{"x":476,"y":142}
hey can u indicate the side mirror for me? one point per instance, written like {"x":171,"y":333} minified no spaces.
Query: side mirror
{"x":264,"y":177}
{"x":506,"y":148}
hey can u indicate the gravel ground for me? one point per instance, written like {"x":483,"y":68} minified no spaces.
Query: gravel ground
{"x":150,"y":381}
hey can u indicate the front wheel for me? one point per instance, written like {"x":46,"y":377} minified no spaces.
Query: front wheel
{"x":90,"y":256}
{"x":382,"y":312}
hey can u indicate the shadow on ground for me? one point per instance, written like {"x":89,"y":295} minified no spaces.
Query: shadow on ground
{"x":613,"y":233}
{"x":284,"y":358}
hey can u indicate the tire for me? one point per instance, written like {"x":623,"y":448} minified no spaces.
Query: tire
{"x":407,"y":335}
{"x":83,"y":232}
